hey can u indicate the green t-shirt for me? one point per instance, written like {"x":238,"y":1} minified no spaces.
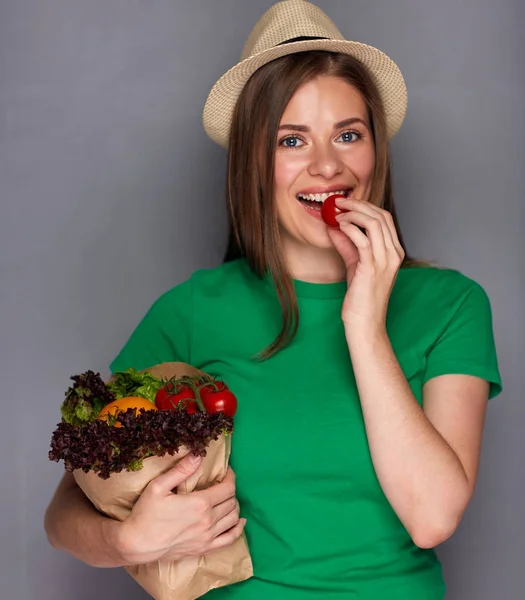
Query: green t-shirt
{"x":318,"y":524}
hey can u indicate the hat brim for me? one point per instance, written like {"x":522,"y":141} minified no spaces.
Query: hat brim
{"x":222,"y":98}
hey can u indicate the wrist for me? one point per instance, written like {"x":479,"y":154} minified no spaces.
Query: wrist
{"x":364,"y":331}
{"x":366,"y":341}
{"x":117,"y":538}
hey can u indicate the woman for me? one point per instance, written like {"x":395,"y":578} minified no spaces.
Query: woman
{"x":363,"y":376}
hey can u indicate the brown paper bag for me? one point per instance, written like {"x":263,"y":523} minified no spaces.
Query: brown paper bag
{"x":193,"y":576}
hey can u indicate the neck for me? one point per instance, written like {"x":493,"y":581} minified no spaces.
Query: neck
{"x":314,"y":265}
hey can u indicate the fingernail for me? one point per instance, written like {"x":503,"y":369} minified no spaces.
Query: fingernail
{"x":194,"y":459}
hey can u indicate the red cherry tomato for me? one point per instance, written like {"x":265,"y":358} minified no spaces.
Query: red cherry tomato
{"x":219,"y":401}
{"x":168,"y":398}
{"x":329,"y":211}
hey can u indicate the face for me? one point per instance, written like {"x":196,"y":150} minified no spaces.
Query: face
{"x":324,"y":146}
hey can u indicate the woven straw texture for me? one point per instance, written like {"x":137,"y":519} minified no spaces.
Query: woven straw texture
{"x":284,"y":21}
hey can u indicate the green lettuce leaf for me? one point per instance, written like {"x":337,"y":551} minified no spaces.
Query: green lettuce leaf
{"x":85,"y":399}
{"x":133,"y":383}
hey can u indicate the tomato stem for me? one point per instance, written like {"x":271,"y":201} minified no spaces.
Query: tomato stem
{"x":196,"y":384}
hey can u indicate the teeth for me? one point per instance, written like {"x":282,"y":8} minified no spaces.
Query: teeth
{"x":320,"y":197}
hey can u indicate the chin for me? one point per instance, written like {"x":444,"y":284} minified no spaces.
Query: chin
{"x":320,"y":241}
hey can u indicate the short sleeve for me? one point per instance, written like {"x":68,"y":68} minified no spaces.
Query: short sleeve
{"x":466,"y":345}
{"x":163,"y":335}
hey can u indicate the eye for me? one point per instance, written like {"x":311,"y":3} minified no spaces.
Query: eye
{"x":292,"y":141}
{"x":350,"y":136}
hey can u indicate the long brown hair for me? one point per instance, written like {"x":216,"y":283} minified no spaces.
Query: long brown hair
{"x":254,"y":229}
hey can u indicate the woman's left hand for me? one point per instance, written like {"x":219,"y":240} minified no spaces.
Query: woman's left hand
{"x":372,"y":271}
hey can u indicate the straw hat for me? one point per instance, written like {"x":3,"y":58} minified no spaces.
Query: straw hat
{"x":295,"y":26}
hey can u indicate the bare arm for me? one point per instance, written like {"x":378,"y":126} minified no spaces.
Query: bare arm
{"x":161,"y":524}
{"x":74,"y":525}
{"x":426,"y":459}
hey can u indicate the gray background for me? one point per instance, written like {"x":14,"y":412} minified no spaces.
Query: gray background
{"x":110,"y":193}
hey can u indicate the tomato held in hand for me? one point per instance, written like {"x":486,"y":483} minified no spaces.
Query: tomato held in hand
{"x":222,"y":400}
{"x":169,"y":397}
{"x":329,"y":211}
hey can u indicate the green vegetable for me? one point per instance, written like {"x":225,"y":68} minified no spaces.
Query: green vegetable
{"x":85,"y":399}
{"x":133,"y":383}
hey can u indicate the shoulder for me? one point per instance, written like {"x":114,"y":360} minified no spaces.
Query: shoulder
{"x":432,"y":277}
{"x":438,"y":287}
{"x":224,"y":280}
{"x":427,"y":301}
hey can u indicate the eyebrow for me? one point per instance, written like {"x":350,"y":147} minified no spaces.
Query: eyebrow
{"x":306,"y":129}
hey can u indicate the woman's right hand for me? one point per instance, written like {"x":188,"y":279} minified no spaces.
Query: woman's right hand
{"x":164,"y":525}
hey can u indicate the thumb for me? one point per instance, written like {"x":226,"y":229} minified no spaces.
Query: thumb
{"x":345,"y":247}
{"x":186,"y":467}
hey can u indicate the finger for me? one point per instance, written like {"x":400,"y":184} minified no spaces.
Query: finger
{"x":165,"y":483}
{"x":227,"y":522}
{"x":361,"y":241}
{"x":218,"y":493}
{"x":346,"y":249}
{"x":228,"y":537}
{"x":357,"y":204}
{"x":392,"y":227}
{"x":367,"y":208}
{"x":225,"y":508}
{"x":372,"y":246}
{"x":387,"y":218}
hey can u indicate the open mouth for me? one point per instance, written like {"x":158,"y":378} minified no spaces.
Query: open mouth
{"x":315,"y":201}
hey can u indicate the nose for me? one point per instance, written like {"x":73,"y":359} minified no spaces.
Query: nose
{"x":325,"y":161}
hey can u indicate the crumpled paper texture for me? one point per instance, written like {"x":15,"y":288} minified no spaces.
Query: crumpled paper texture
{"x":193,"y":576}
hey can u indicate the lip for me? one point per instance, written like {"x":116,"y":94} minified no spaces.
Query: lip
{"x":325,"y":190}
{"x":316,"y":214}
